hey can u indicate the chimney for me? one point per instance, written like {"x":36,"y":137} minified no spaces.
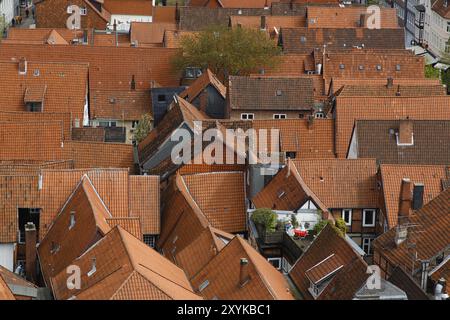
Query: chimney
{"x":23,"y":66}
{"x":405,"y":199}
{"x":133,"y":83}
{"x":30,"y":251}
{"x":405,"y":133}
{"x":418,"y":190}
{"x":263,"y":23}
{"x":115,"y":25}
{"x":243,"y":273}
{"x":362,"y":20}
{"x":390,"y":82}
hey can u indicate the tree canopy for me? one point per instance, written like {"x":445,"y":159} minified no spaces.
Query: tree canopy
{"x":227,"y":51}
{"x":143,"y":128}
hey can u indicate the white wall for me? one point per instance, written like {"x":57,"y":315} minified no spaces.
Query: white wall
{"x":124,"y":21}
{"x":7,"y":255}
{"x":7,"y":9}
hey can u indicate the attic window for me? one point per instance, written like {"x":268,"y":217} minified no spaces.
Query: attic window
{"x":379,"y":68}
{"x":36,"y":72}
{"x":397,"y":67}
{"x":203,"y":285}
{"x":342,"y":66}
{"x":93,"y":267}
{"x":279,"y":93}
{"x":361,"y":67}
{"x":302,"y":39}
{"x":281,"y":193}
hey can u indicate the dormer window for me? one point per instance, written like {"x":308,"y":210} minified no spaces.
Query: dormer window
{"x":321,"y":274}
{"x":361,"y":67}
{"x":342,"y":66}
{"x":397,"y":67}
{"x":34,"y":97}
{"x":379,"y":68}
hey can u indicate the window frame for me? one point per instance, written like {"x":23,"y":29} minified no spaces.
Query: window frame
{"x":369,"y":245}
{"x":278,"y":116}
{"x":247,"y":116}
{"x":364,"y":224}
{"x":275,"y":259}
{"x":350,"y":211}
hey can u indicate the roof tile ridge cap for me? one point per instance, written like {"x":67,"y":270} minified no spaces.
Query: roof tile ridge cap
{"x":86,"y":176}
{"x":182,"y":187}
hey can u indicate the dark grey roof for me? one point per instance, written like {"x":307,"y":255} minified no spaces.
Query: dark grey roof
{"x":404,"y":281}
{"x":387,"y":291}
{"x":271,"y":93}
{"x":377,"y":139}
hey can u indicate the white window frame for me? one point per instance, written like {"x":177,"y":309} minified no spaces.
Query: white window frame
{"x":83,"y":11}
{"x":350,"y":211}
{"x":368,"y":244}
{"x":275,"y":259}
{"x":247,"y":116}
{"x":364,"y":224}
{"x":279,"y":115}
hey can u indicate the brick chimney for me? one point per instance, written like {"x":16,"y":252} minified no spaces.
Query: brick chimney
{"x":405,"y":132}
{"x":23,"y":66}
{"x":30,"y":251}
{"x":405,"y":199}
{"x":243,"y":272}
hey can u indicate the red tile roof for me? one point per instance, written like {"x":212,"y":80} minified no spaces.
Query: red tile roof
{"x":149,"y":33}
{"x":129,"y":7}
{"x":5,"y":292}
{"x":428,"y":235}
{"x":330,"y":252}
{"x":391,"y":175}
{"x":222,"y":276}
{"x":126,"y":269}
{"x":201,"y":83}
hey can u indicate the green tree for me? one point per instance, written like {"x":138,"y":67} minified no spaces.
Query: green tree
{"x":143,"y":128}
{"x":320,"y":225}
{"x":227,"y":51}
{"x":341,"y":226}
{"x":265,"y":217}
{"x":294,"y":220}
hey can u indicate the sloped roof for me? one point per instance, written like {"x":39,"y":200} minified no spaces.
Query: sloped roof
{"x":129,"y":7}
{"x":201,"y":83}
{"x":347,"y":279}
{"x":341,"y":183}
{"x":63,"y":84}
{"x":5,"y":292}
{"x":306,"y":40}
{"x":442,"y":10}
{"x":308,"y":140}
{"x":349,"y":109}
{"x":221,"y":198}
{"x":430,"y":176}
{"x":126,"y":268}
{"x":172,"y":38}
{"x":404,"y":281}
{"x":222,"y":274}
{"x":270,"y":93}
{"x":430,"y":140}
{"x":382,"y":90}
{"x":347,"y":17}
{"x":430,"y":235}
{"x":120,"y":104}
{"x":149,"y":32}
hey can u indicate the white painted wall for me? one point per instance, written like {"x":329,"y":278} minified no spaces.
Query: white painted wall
{"x":124,"y":21}
{"x":435,"y":30}
{"x":7,"y":10}
{"x":7,"y":255}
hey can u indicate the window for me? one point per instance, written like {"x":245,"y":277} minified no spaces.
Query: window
{"x":161,"y":98}
{"x":448,"y":26}
{"x":83,"y":11}
{"x":320,"y":115}
{"x":107,"y":124}
{"x":275,"y":262}
{"x":279,"y":116}
{"x":369,"y":217}
{"x":347,"y":216}
{"x":279,"y":93}
{"x":247,"y":116}
{"x":203,"y":285}
{"x":342,"y":66}
{"x":301,"y":115}
{"x":397,"y":67}
{"x":72,"y":220}
{"x":93,"y":267}
{"x":28,"y":215}
{"x":302,"y":39}
{"x":379,"y":68}
{"x":192,"y":73}
{"x":34,"y":106}
{"x":367,"y":245}
{"x":291,"y":154}
{"x":134,"y":123}
{"x":361,"y":67}
{"x":150,"y":240}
